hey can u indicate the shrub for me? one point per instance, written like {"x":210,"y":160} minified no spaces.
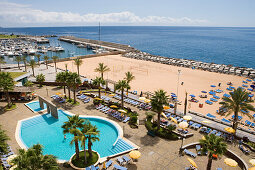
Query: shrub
{"x":28,"y":84}
{"x":96,"y":102}
{"x":66,"y":165}
{"x":133,"y":120}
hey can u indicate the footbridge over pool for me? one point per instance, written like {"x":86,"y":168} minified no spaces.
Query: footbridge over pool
{"x":51,"y":108}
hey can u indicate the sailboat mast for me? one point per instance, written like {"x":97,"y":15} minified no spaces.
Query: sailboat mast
{"x":99,"y":32}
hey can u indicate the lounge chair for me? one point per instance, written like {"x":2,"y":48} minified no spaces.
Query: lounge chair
{"x":218,"y":134}
{"x":119,"y":167}
{"x":126,"y":120}
{"x":248,"y":123}
{"x":244,"y":149}
{"x":120,"y":160}
{"x":198,"y":149}
{"x":108,"y":164}
{"x":214,"y":100}
{"x":214,"y":132}
{"x":225,"y":120}
{"x":94,"y":168}
{"x":126,"y":159}
{"x":187,"y":152}
{"x":208,"y":102}
{"x":219,"y":169}
{"x":87,"y":168}
{"x":210,"y":115}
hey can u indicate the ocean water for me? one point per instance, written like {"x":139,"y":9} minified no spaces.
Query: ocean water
{"x":222,"y":45}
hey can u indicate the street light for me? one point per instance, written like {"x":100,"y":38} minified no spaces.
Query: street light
{"x":175,"y":107}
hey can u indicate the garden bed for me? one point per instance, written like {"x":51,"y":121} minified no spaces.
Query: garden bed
{"x":90,"y":161}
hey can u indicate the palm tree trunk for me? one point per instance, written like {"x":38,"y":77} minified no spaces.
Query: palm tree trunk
{"x":85,"y":160}
{"x":33,"y":71}
{"x":74,"y":98}
{"x":18,"y":66}
{"x":65,"y":90}
{"x":8,"y":99}
{"x":77,"y":149}
{"x":46,"y":62}
{"x":122,"y":98}
{"x":209,"y":163}
{"x":55,"y":66}
{"x":158,"y":127}
{"x":25,"y":66}
{"x":99,"y":91}
{"x":102,"y":75}
{"x":78,"y":70}
{"x":69,"y":93}
{"x":235,"y":122}
{"x":89,"y":147}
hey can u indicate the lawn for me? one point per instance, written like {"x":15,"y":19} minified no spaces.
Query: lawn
{"x":16,"y":74}
{"x":2,"y":36}
{"x":81,"y":164}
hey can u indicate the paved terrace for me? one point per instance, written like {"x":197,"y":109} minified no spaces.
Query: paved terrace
{"x":157,"y":153}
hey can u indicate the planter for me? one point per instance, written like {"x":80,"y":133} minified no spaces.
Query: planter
{"x":74,"y":167}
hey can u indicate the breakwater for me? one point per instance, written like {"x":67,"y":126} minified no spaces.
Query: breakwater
{"x":96,"y":43}
{"x":212,"y":67}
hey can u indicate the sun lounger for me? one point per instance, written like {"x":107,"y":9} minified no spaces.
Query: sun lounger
{"x":187,"y":152}
{"x":87,"y":168}
{"x":218,"y":134}
{"x":119,"y":167}
{"x":208,"y":102}
{"x":198,"y":149}
{"x":126,"y":120}
{"x":244,"y":149}
{"x":210,"y":115}
{"x":216,"y":97}
{"x":108,"y":164}
{"x":208,"y":130}
{"x":203,"y":129}
{"x":120,"y":160}
{"x":126,"y":159}
{"x":248,"y":123}
{"x":225,"y":120}
{"x":219,"y":168}
{"x":94,"y":167}
{"x":214,"y":100}
{"x":214,"y":132}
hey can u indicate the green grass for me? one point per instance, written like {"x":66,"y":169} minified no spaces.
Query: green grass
{"x":2,"y":36}
{"x":71,"y":101}
{"x":80,"y":163}
{"x":14,"y":106}
{"x":1,"y":168}
{"x":16,"y":74}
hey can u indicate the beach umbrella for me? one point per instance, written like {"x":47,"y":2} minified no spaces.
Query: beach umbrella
{"x":114,"y":106}
{"x":58,"y":93}
{"x":230,"y":162}
{"x":203,"y":137}
{"x":142,"y":98}
{"x":10,"y":158}
{"x":193,"y":163}
{"x":192,"y":95}
{"x":252,"y":161}
{"x":166,"y":107}
{"x":147,"y":100}
{"x":87,"y":93}
{"x":111,"y":95}
{"x":187,"y":117}
{"x":183,"y":125}
{"x":203,"y":91}
{"x":229,"y":129}
{"x":213,"y":86}
{"x":206,"y":121}
{"x":104,"y":166}
{"x":122,"y":111}
{"x":134,"y":154}
{"x":174,"y":120}
{"x":97,"y":98}
{"x":252,"y":168}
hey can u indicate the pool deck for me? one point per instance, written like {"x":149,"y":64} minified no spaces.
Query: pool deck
{"x":157,"y":153}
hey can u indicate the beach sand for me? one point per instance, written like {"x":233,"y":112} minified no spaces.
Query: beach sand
{"x":151,"y":76}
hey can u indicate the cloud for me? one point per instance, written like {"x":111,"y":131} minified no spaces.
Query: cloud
{"x":13,"y":14}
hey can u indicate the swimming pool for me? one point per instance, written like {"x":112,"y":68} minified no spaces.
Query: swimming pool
{"x":46,"y":130}
{"x":35,"y":106}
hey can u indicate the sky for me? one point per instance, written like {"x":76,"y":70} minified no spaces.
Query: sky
{"x":33,"y":13}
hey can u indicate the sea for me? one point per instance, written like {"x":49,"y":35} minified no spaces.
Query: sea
{"x":222,"y":45}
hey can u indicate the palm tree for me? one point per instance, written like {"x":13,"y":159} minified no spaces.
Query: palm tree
{"x":3,"y":141}
{"x":78,"y":62}
{"x":61,"y":77}
{"x":157,"y":102}
{"x":46,"y":59}
{"x":40,"y":78}
{"x":98,"y":81}
{"x":33,"y":158}
{"x":239,"y":100}
{"x":102,"y":69}
{"x":38,"y":56}
{"x":213,"y":145}
{"x":32,"y":64}
{"x":129,"y":77}
{"x":6,"y":84}
{"x":93,"y":134}
{"x":1,"y":62}
{"x":24,"y":59}
{"x":55,"y":58}
{"x":73,"y":79}
{"x":74,"y":122}
{"x":122,"y":85}
{"x":18,"y":60}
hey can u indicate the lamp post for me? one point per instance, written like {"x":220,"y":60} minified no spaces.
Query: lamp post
{"x":175,"y":105}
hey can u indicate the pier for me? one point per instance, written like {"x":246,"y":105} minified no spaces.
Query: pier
{"x":96,"y":44}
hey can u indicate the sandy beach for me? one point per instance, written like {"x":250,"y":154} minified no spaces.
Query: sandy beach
{"x":151,"y":76}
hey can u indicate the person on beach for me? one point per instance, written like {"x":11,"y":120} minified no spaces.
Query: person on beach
{"x":65,"y":137}
{"x":219,"y":84}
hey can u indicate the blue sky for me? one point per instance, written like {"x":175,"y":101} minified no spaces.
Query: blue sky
{"x":17,"y":13}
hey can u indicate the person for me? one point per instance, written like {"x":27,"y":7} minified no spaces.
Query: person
{"x":65,"y":137}
{"x":219,"y":84}
{"x":182,"y":83}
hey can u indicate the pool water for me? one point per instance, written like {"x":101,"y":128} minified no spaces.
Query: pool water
{"x":35,"y":106}
{"x":47,"y":131}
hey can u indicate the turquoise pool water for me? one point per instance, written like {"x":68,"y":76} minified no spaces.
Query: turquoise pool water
{"x":35,"y":106}
{"x":47,"y":131}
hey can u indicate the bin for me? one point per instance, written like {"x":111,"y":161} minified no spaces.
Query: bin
{"x":201,"y":105}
